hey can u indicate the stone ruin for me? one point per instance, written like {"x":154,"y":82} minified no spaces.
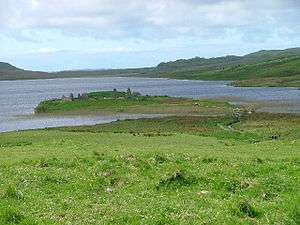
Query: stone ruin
{"x":71,"y":97}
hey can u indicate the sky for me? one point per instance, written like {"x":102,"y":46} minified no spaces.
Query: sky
{"x":52,"y":35}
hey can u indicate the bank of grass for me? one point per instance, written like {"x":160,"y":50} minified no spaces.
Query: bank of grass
{"x":173,"y":170}
{"x":292,"y":81}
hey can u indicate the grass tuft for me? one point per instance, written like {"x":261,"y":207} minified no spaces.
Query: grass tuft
{"x":176,"y":179}
{"x":14,"y":193}
{"x":13,"y":217}
{"x":247,"y":209}
{"x":209,"y":160}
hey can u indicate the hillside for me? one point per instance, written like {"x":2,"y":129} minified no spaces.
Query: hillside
{"x":282,"y":72}
{"x":275,"y":67}
{"x":198,"y":63}
{"x":7,"y":67}
{"x":10,"y":72}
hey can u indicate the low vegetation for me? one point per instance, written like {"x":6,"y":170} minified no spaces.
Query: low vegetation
{"x":220,"y":168}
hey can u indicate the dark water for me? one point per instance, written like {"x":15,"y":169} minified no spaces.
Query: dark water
{"x":18,"y":98}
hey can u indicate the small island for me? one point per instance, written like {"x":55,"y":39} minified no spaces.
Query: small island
{"x":130,"y":102}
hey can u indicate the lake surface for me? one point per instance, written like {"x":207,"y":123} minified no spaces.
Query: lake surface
{"x":19,"y":98}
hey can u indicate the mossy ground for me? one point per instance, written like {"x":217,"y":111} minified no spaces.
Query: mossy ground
{"x":174,"y":170}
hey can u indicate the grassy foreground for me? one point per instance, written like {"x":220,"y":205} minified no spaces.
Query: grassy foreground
{"x":176,"y":170}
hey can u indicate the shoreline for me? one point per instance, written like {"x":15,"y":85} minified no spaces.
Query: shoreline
{"x":231,"y":83}
{"x":109,"y":116}
{"x":280,"y":107}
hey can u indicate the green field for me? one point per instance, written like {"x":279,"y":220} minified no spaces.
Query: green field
{"x":197,"y":168}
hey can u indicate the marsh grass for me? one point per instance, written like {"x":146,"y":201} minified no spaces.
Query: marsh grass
{"x":13,"y":193}
{"x":248,"y":210}
{"x":176,"y":179}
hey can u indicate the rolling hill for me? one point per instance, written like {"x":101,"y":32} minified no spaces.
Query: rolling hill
{"x":277,"y":72}
{"x":198,"y":63}
{"x":262,"y":68}
{"x":10,"y":72}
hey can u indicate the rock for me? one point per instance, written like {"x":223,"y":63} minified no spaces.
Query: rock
{"x":84,"y":96}
{"x":109,"y":190}
{"x":203,"y":193}
{"x":106,"y":174}
{"x":66,"y":99}
{"x":275,"y":137}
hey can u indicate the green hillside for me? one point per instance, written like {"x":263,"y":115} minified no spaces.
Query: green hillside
{"x":7,"y":67}
{"x":262,"y":68}
{"x":10,"y":72}
{"x":277,"y":72}
{"x":226,"y":61}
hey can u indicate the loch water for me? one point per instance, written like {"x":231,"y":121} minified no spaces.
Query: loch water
{"x":19,"y":98}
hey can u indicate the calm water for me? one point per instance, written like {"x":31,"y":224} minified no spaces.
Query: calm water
{"x":19,"y":98}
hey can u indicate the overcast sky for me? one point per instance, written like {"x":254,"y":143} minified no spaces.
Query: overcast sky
{"x":77,"y":34}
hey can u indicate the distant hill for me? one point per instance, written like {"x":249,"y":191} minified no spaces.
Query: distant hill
{"x":277,"y":72}
{"x":7,"y":67}
{"x":275,"y":67}
{"x":198,"y":63}
{"x":10,"y":72}
{"x":264,"y":55}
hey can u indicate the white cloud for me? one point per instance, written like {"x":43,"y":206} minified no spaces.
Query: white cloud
{"x":38,"y":51}
{"x":45,"y":50}
{"x":134,"y":18}
{"x":162,"y":30}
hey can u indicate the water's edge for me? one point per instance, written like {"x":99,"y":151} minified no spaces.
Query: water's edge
{"x":18,"y":98}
